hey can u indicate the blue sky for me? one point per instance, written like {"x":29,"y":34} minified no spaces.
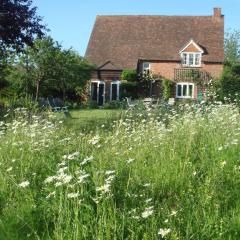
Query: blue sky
{"x":71,"y":21}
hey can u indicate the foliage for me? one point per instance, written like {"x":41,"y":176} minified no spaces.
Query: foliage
{"x":48,"y":70}
{"x":230,"y":80}
{"x":129,"y":89}
{"x":232,"y":46}
{"x":129,"y":75}
{"x":135,"y":181}
{"x":167,"y":88}
{"x":146,"y":81}
{"x":19,"y":24}
{"x":114,"y":105}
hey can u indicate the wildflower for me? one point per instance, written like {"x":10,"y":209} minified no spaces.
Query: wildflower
{"x":104,"y":188}
{"x":50,"y":179}
{"x":194,"y":173}
{"x":173,"y":213}
{"x":164,"y":231}
{"x":220,"y":148}
{"x":109,"y":172}
{"x":147,"y":212}
{"x":73,"y":195}
{"x":71,"y":156}
{"x":50,"y":194}
{"x":223,"y":163}
{"x":94,"y":140}
{"x":9,"y":169}
{"x":130,"y":160}
{"x":86,"y":160}
{"x":146,"y":184}
{"x":24,"y":184}
{"x":83,"y":177}
{"x":166,"y":221}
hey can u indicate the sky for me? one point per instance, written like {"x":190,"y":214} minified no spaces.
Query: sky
{"x":71,"y":21}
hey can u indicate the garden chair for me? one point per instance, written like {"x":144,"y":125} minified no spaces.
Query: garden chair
{"x":53,"y":106}
{"x":130,"y":104}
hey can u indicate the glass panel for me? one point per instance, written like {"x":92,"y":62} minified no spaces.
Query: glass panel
{"x":179,"y":90}
{"x":114,"y":92}
{"x":190,"y":90}
{"x":184,"y":59}
{"x":197,"y":59}
{"x":184,"y":90}
{"x":191,"y":59}
{"x":146,"y":66}
{"x":94,"y":87}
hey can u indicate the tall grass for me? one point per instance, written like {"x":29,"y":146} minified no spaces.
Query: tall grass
{"x":159,"y":174}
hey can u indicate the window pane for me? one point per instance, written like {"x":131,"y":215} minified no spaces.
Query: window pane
{"x":114,"y":91}
{"x":197,"y":59}
{"x":146,"y":66}
{"x":191,"y":59}
{"x":184,"y":59}
{"x":184,"y":90}
{"x":190,"y":90}
{"x":179,"y":90}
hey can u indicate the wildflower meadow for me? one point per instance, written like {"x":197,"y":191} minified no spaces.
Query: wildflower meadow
{"x":164,"y":173}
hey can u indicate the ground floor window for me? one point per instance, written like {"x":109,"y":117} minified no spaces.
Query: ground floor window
{"x":185,"y":90}
{"x":98,"y":92}
{"x":114,"y":91}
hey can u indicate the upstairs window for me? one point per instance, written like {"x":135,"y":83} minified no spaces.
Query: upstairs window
{"x":146,"y":67}
{"x":191,"y":59}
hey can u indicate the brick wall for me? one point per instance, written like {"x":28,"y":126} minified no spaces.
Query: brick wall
{"x":166,"y":69}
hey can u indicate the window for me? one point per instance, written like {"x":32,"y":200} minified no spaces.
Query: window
{"x":114,"y":91}
{"x":191,"y":59}
{"x":185,"y":90}
{"x":146,"y":66}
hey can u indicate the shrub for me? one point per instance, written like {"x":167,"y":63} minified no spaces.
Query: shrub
{"x":167,"y":89}
{"x":129,"y":75}
{"x":230,"y":80}
{"x":129,"y":89}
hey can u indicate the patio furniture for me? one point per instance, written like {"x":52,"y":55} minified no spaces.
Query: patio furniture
{"x":56,"y":105}
{"x":130,"y":104}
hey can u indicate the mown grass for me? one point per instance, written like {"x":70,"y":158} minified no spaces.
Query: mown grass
{"x":155,"y":174}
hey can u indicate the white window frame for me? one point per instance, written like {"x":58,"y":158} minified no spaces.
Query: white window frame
{"x":146,"y":68}
{"x":194,"y":59}
{"x":118,"y":89}
{"x":98,"y":82}
{"x":184,"y":84}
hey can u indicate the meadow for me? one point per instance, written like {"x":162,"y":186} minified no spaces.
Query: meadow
{"x":164,"y":173}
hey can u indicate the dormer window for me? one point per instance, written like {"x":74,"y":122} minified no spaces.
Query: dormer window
{"x":191,"y":59}
{"x":191,"y":54}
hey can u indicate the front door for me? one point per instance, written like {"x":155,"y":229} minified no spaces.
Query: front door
{"x":101,"y":94}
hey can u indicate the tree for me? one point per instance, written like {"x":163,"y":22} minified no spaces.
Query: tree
{"x":232,"y":46}
{"x":230,"y":80}
{"x":129,"y":75}
{"x":48,"y":70}
{"x":19,"y":24}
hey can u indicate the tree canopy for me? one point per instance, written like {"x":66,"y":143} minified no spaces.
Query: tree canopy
{"x":19,"y":24}
{"x":49,"y":70}
{"x":232,"y":46}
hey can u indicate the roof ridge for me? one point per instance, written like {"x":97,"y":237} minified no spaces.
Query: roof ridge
{"x":140,"y":15}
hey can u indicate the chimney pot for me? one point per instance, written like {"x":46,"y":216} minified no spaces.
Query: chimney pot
{"x":217,"y":12}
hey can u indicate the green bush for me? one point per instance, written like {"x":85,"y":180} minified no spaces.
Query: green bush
{"x":129,"y":75}
{"x":167,"y":89}
{"x":129,"y":89}
{"x":230,"y":80}
{"x":114,"y":105}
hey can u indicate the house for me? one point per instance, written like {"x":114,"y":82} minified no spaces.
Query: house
{"x":173,"y":47}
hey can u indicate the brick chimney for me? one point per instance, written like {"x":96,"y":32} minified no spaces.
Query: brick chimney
{"x":217,"y":12}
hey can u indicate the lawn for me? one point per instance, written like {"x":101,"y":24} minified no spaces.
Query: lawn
{"x":89,"y":119}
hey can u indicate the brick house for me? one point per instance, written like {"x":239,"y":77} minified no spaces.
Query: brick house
{"x":172,"y":47}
